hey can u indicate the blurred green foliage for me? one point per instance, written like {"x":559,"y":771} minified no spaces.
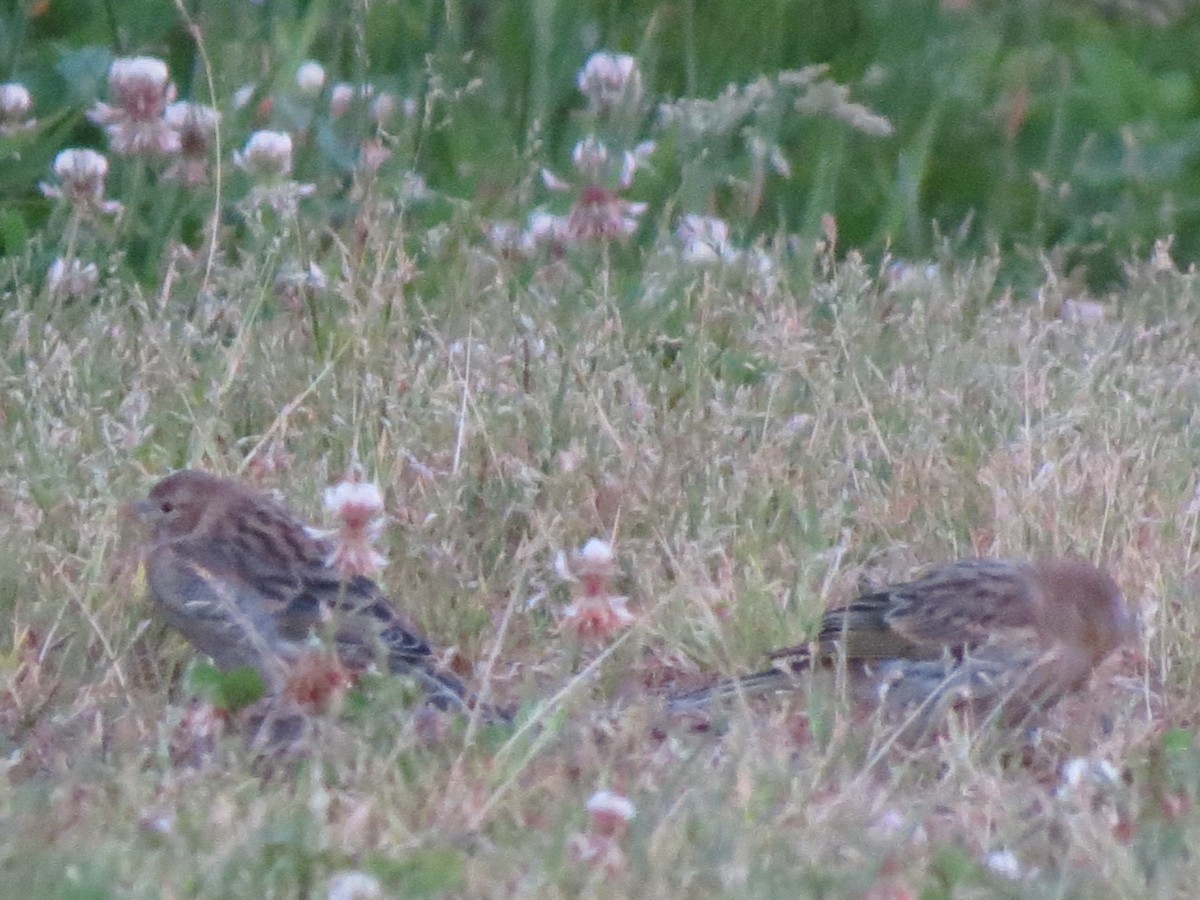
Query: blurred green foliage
{"x":1028,"y":125}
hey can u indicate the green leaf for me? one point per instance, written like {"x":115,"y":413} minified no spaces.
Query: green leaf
{"x":232,"y":690}
{"x":84,"y":71}
{"x":1177,"y":741}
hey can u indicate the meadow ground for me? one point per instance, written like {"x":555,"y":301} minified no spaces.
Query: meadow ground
{"x":527,"y":363}
{"x":752,"y":446}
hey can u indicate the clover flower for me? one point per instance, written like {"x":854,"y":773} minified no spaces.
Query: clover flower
{"x":140,"y":88}
{"x":359,"y":507}
{"x":610,"y":81}
{"x":15,"y":103}
{"x":81,"y":174}
{"x":596,"y":613}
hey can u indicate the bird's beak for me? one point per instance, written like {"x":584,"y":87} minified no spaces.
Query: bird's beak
{"x":143,"y":510}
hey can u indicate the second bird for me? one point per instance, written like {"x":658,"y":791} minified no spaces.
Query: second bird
{"x":1006,"y":635}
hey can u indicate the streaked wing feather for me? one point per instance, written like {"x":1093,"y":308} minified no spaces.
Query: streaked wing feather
{"x":961,"y":605}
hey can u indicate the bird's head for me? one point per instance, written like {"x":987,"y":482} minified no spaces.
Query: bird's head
{"x":175,"y":506}
{"x":1085,"y":606}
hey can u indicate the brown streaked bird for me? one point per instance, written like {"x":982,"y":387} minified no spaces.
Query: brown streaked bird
{"x":243,"y":579}
{"x":997,"y":634}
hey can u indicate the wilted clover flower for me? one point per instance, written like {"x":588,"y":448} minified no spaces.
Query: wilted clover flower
{"x":15,"y":103}
{"x":358,"y":505}
{"x":598,"y":212}
{"x":601,"y":214}
{"x":597,"y":613}
{"x":81,"y":175}
{"x":140,"y":89}
{"x":609,"y":816}
{"x":611,"y":81}
{"x":196,"y":124}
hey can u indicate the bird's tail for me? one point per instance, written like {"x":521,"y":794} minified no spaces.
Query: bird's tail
{"x":781,"y":677}
{"x":445,"y":691}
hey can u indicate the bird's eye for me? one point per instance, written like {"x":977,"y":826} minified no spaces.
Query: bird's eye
{"x":166,"y":506}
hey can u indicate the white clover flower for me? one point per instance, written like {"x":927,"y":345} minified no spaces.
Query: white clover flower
{"x":597,"y":613}
{"x":15,"y":103}
{"x":81,"y":174}
{"x":610,"y":81}
{"x":267,"y":157}
{"x":544,"y":230}
{"x":267,"y":154}
{"x":1004,"y":863}
{"x":310,"y":78}
{"x":141,"y":85}
{"x":1081,"y":770}
{"x":184,"y":116}
{"x":82,"y":171}
{"x":140,"y":88}
{"x":595,"y":556}
{"x":383,"y":108}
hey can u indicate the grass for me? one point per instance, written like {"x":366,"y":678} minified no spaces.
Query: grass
{"x":755,"y":433}
{"x":750,"y":465}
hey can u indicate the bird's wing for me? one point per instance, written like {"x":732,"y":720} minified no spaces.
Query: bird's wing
{"x":364,"y":620}
{"x":958,"y":606}
{"x":367,"y":627}
{"x":861,"y":630}
{"x":953,"y":607}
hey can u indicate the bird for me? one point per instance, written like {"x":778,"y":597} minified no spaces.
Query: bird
{"x":1005,"y":636}
{"x":242,"y":578}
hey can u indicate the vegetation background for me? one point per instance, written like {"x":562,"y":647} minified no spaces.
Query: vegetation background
{"x":1027,"y":126}
{"x":970,"y":328}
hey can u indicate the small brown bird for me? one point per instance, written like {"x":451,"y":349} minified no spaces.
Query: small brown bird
{"x":997,"y":634}
{"x":243,"y":579}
